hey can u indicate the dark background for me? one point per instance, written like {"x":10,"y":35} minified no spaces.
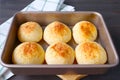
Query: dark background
{"x":110,"y":9}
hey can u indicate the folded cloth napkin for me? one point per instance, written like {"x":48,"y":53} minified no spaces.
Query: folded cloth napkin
{"x":36,"y":5}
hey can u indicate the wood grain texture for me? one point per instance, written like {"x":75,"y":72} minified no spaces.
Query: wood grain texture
{"x":110,"y":9}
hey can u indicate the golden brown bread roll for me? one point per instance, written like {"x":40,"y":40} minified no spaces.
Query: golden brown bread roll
{"x":59,"y":53}
{"x":28,"y":53}
{"x":89,"y":52}
{"x":30,"y":31}
{"x":57,"y":32}
{"x":84,"y":31}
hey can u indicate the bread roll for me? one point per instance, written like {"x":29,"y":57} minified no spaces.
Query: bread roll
{"x":59,"y":53}
{"x":28,"y":53}
{"x":57,"y":32}
{"x":90,"y":53}
{"x":84,"y":31}
{"x":30,"y":31}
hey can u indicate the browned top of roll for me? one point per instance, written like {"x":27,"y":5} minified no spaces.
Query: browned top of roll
{"x":28,"y":27}
{"x":87,"y":29}
{"x":29,"y":48}
{"x":61,"y":49}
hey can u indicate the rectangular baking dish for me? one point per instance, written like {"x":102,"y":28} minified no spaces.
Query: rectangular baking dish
{"x":69,"y":18}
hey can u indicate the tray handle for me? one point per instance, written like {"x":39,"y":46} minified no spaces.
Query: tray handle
{"x":72,"y":76}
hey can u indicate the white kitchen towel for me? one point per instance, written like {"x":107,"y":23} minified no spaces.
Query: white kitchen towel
{"x":36,"y":5}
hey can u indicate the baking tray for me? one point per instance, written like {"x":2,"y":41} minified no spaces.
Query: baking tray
{"x":70,"y":19}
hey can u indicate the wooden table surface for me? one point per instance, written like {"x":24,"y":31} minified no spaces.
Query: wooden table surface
{"x":110,"y":9}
